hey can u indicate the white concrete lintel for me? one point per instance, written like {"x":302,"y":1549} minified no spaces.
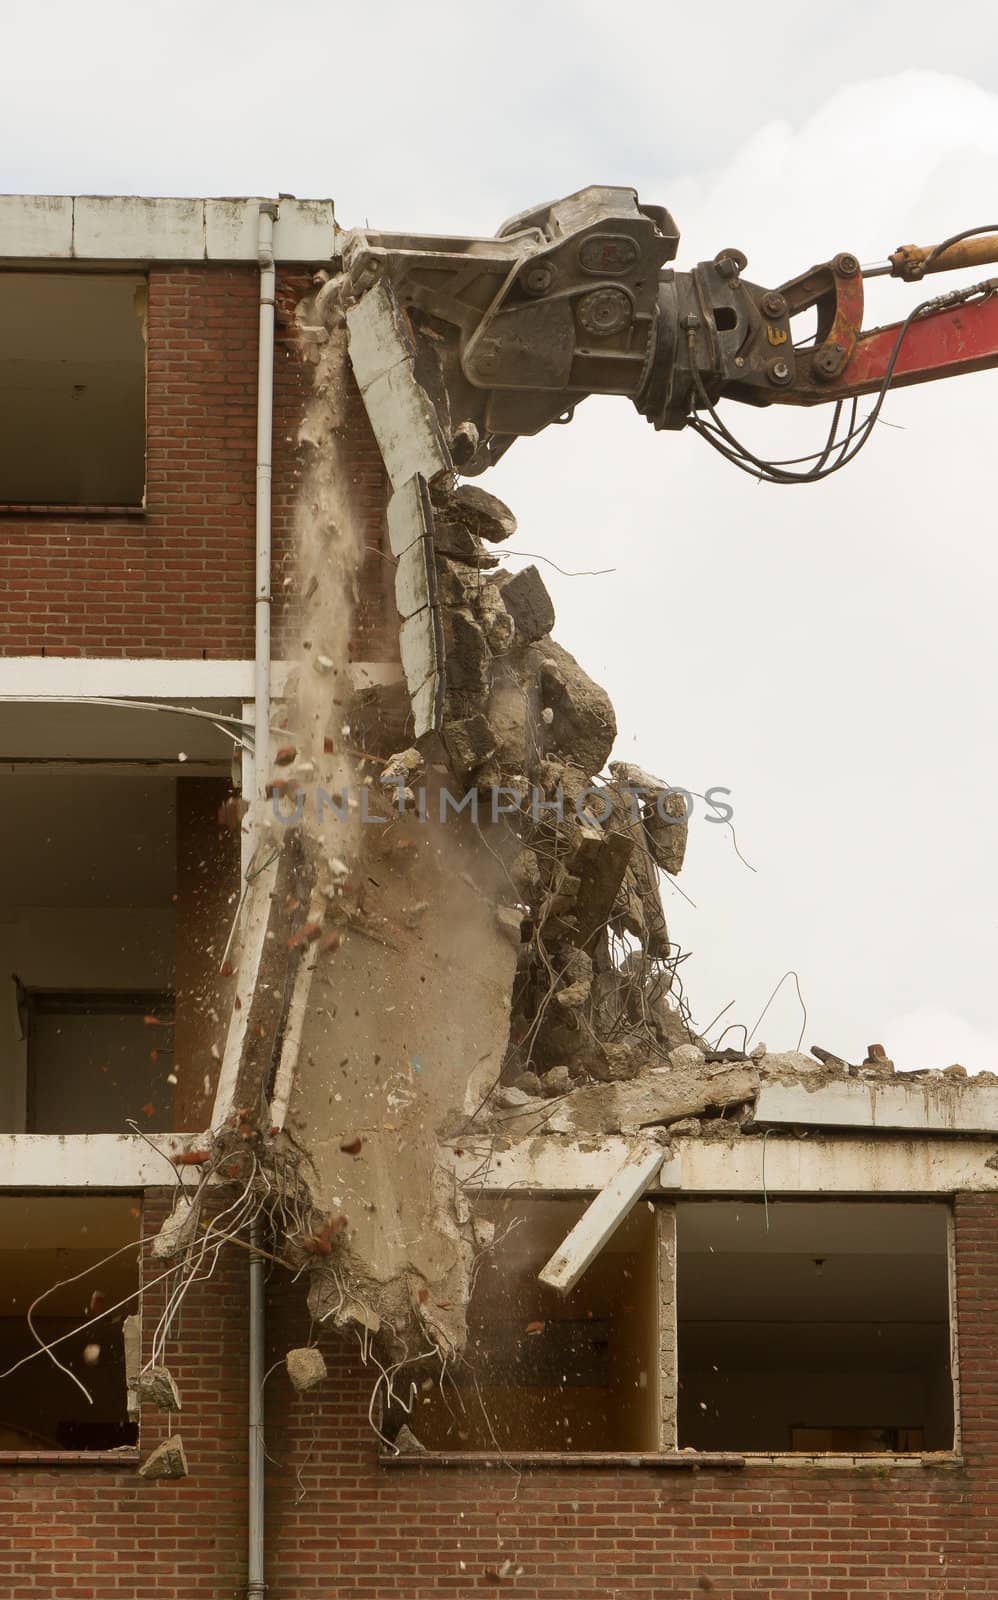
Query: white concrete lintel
{"x":73,"y":677}
{"x":93,"y":1160}
{"x":778,"y":1165}
{"x":137,"y":228}
{"x":950,"y":1105}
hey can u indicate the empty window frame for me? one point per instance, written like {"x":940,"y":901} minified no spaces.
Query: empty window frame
{"x":72,"y":389}
{"x":47,"y":1242}
{"x":825,"y":1330}
{"x":815,"y":1327}
{"x":120,"y":894}
{"x":546,"y":1372}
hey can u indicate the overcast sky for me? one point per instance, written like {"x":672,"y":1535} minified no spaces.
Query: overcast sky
{"x":827,"y":653}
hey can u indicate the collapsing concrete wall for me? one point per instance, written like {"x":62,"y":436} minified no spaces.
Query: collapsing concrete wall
{"x":502,"y":935}
{"x":454,"y":913}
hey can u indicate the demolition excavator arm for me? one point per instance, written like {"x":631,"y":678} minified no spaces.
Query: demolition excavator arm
{"x":508,"y":335}
{"x":460,"y":346}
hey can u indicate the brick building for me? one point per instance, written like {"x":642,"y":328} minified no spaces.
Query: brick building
{"x":777,"y":1376}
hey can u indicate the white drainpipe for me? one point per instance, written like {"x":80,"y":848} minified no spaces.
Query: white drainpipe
{"x":255,"y":1584}
{"x":264,"y":466}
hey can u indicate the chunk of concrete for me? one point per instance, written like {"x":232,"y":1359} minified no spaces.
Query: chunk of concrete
{"x":177,"y":1231}
{"x":661,"y":1095}
{"x":583,"y":725}
{"x":509,"y":1098}
{"x":168,"y":1460}
{"x":484,"y":513}
{"x":792,"y":1064}
{"x":557,"y":1081}
{"x":157,"y":1386}
{"x":306,"y":1367}
{"x":510,"y":924}
{"x":529,"y":604}
{"x":686,"y":1055}
{"x":407,"y":1444}
{"x":469,"y":741}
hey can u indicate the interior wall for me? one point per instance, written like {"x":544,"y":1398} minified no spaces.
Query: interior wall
{"x":96,"y":1063}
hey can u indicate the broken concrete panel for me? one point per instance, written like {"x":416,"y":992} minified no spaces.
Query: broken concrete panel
{"x":404,"y":420}
{"x":379,"y":335}
{"x":168,"y":1460}
{"x":934,"y":1106}
{"x":409,"y":515}
{"x":415,"y":579}
{"x":601,"y":1219}
{"x":157,"y":1386}
{"x":659,"y":1095}
{"x":583,"y":726}
{"x":421,"y":649}
{"x":529,"y":604}
{"x":486,"y":515}
{"x":306,"y":1367}
{"x":389,"y":1059}
{"x":426,"y":703}
{"x":405,"y":426}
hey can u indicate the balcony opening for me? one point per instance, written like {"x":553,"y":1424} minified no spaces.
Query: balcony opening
{"x":47,"y":1242}
{"x":72,"y":389}
{"x":543,"y":1372}
{"x":826,"y":1332}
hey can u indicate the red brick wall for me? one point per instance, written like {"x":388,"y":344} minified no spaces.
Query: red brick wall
{"x":179,"y":580}
{"x":368,"y":1533}
{"x":103,"y":1533}
{"x":338,"y":1524}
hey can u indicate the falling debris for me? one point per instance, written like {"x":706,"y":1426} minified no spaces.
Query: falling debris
{"x":306,"y":1368}
{"x":168,"y":1460}
{"x":157,"y":1386}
